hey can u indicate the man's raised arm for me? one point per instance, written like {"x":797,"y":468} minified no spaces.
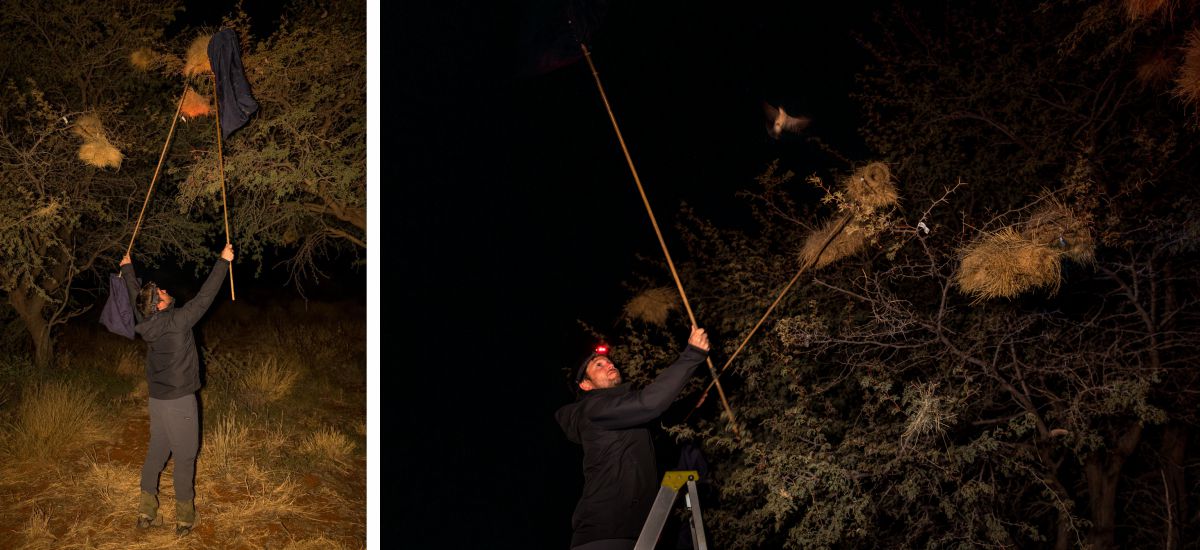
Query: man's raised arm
{"x":638,"y":407}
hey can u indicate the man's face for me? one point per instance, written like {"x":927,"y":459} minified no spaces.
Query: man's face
{"x":600,"y":374}
{"x":164,"y":299}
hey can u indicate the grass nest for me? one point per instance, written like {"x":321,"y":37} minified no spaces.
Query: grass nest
{"x":1005,"y":264}
{"x":1187,"y":82}
{"x":847,"y":242}
{"x":195,"y":105}
{"x":96,"y":150}
{"x":1057,"y":226}
{"x":653,"y":305}
{"x":196,"y":62}
{"x":870,"y":187}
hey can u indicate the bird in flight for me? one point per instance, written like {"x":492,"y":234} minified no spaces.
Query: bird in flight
{"x":778,"y":121}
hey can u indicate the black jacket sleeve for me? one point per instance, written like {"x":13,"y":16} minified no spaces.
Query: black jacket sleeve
{"x":195,"y":308}
{"x":131,"y":284}
{"x":641,"y":406}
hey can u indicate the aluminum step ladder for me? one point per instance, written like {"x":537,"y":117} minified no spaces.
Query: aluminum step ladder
{"x":672,"y":482}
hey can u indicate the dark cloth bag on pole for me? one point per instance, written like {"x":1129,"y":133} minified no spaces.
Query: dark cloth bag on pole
{"x":233,"y":91}
{"x":117,"y":315}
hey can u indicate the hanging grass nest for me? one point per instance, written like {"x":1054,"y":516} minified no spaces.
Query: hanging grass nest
{"x":196,"y":62}
{"x":653,"y":305}
{"x":96,"y":150}
{"x":850,"y":240}
{"x":1140,"y":9}
{"x":1004,"y":264}
{"x":871,"y":187}
{"x":195,"y":105}
{"x":1057,"y":226}
{"x":143,"y":59}
{"x":1187,"y":83}
{"x":146,"y":60}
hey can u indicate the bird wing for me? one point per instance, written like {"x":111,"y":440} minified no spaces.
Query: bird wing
{"x":795,"y":123}
{"x":771,"y":112}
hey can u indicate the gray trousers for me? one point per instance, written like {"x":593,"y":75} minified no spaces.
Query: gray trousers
{"x":174,"y":430}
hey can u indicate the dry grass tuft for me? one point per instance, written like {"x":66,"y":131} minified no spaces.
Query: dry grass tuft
{"x":223,"y":443}
{"x":130,"y":363}
{"x":1140,"y":9}
{"x":1057,"y":226}
{"x":1187,"y":84}
{"x":114,"y":483}
{"x":653,"y":305}
{"x":1156,"y":68}
{"x":195,"y":105}
{"x":871,"y":187}
{"x":850,"y":240}
{"x":268,"y":382}
{"x":329,"y":444}
{"x":197,"y":57}
{"x":37,"y":531}
{"x":54,"y":418}
{"x":319,"y":543}
{"x":1005,"y":264}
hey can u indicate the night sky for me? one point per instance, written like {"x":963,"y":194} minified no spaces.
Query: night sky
{"x":509,"y":213}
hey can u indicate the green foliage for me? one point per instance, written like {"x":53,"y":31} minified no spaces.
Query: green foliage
{"x":296,"y":173}
{"x":880,"y":406}
{"x":61,"y":220}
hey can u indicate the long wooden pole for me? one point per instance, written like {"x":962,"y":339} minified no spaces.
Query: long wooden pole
{"x":803,"y":267}
{"x":154,"y":179}
{"x":653,"y":221}
{"x":221,"y":168}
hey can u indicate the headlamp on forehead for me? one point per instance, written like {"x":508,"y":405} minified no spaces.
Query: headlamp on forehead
{"x":601,"y":350}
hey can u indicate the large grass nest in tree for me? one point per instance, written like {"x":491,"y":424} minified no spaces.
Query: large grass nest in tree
{"x":871,"y":188}
{"x":1057,"y":226}
{"x":194,"y":104}
{"x":196,"y":62}
{"x":96,"y":150}
{"x":1005,"y":263}
{"x":1187,"y":83}
{"x":653,"y":305}
{"x":1141,"y":9}
{"x":850,"y":240}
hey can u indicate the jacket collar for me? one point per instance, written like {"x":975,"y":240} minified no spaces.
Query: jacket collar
{"x":619,"y":389}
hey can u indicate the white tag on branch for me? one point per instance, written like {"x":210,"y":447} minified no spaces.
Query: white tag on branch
{"x":923,"y":227}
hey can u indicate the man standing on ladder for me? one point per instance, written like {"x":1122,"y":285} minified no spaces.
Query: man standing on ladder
{"x":609,"y":420}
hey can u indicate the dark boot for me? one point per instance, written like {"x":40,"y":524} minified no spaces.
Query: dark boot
{"x":185,"y":516}
{"x":147,"y":510}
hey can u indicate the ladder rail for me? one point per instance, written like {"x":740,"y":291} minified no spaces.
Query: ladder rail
{"x":668,"y":492}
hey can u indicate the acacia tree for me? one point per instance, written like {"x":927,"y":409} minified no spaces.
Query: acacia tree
{"x":884,"y":407}
{"x":297,"y":171}
{"x":61,"y":219}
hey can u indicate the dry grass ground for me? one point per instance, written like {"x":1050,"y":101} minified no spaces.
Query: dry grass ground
{"x":282,"y":458}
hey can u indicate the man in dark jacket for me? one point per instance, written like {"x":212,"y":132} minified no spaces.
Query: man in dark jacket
{"x":609,"y":419}
{"x":173,"y":377}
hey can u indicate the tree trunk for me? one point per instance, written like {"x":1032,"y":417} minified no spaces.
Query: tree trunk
{"x":1174,"y":447}
{"x":1063,"y":539}
{"x":29,"y":308}
{"x":1103,"y":471}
